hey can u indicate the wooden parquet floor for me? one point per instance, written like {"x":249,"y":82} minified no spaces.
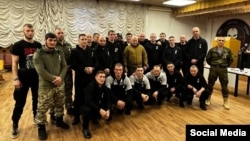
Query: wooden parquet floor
{"x":154,"y":123}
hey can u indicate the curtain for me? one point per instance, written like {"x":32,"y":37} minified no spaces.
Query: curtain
{"x":73,"y":16}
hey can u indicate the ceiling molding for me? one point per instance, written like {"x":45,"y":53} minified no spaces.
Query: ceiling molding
{"x":156,"y":8}
{"x":214,"y":7}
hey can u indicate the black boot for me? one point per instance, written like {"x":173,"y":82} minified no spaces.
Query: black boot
{"x":52,"y":119}
{"x":70,"y":111}
{"x":61,"y":123}
{"x":189,"y":101}
{"x":127,"y":112}
{"x":86,"y":133}
{"x":42,"y":135}
{"x":140,"y":106}
{"x":159,"y":102}
{"x":168,"y":99}
{"x":95,"y":121}
{"x":203,"y":105}
{"x":14,"y":132}
{"x":181,"y":102}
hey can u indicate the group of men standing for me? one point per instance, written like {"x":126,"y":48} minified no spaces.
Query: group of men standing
{"x":111,"y":73}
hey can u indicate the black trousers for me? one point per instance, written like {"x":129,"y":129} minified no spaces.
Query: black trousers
{"x":137,"y":98}
{"x":29,"y":79}
{"x":78,"y":100}
{"x":89,"y":114}
{"x":160,"y":97}
{"x":190,"y":95}
{"x":178,"y":94}
{"x":128,"y":99}
{"x":184,"y":69}
{"x":81,"y":81}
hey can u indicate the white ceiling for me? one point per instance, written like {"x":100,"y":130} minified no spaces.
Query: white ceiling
{"x":147,"y":2}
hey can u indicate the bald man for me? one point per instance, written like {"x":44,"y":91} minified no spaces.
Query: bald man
{"x":103,"y":55}
{"x":134,"y":55}
{"x":154,"y":51}
{"x":142,"y":39}
{"x":195,"y":85}
{"x":219,"y":58}
{"x":196,"y":50}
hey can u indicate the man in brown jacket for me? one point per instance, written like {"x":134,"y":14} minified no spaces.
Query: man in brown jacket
{"x":134,"y":55}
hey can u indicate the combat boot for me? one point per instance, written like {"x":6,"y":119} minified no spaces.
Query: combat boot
{"x":226,"y":104}
{"x":42,"y":135}
{"x":70,"y":111}
{"x":203,"y":106}
{"x":181,"y":103}
{"x":52,"y":119}
{"x":61,"y":123}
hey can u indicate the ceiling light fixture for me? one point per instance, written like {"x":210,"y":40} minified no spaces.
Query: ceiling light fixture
{"x":129,"y":0}
{"x":179,"y":2}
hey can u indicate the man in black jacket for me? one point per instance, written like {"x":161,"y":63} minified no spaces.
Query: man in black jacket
{"x":84,"y":62}
{"x":104,"y":56}
{"x":154,"y":52}
{"x":121,"y":89}
{"x":158,"y":83}
{"x":175,"y":83}
{"x":195,"y":84}
{"x":196,"y":50}
{"x":172,"y":53}
{"x":141,"y":87}
{"x":97,"y":102}
{"x":115,"y":48}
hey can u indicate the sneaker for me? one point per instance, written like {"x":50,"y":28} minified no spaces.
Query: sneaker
{"x":14,"y":132}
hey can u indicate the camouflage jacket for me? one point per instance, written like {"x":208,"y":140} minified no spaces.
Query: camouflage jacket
{"x":214,"y":58}
{"x":48,"y":65}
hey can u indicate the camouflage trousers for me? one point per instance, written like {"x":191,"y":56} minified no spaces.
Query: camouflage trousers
{"x":68,"y":80}
{"x":221,"y":73}
{"x":47,"y":98}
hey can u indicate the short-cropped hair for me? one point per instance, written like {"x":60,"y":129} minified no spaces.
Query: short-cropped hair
{"x":50,"y":35}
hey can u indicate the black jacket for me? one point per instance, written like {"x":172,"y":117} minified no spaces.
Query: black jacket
{"x":196,"y":49}
{"x":172,"y":55}
{"x":80,"y":59}
{"x":175,"y":80}
{"x":154,"y":53}
{"x":198,"y":81}
{"x":97,"y":97}
{"x":115,"y":51}
{"x":104,"y":57}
